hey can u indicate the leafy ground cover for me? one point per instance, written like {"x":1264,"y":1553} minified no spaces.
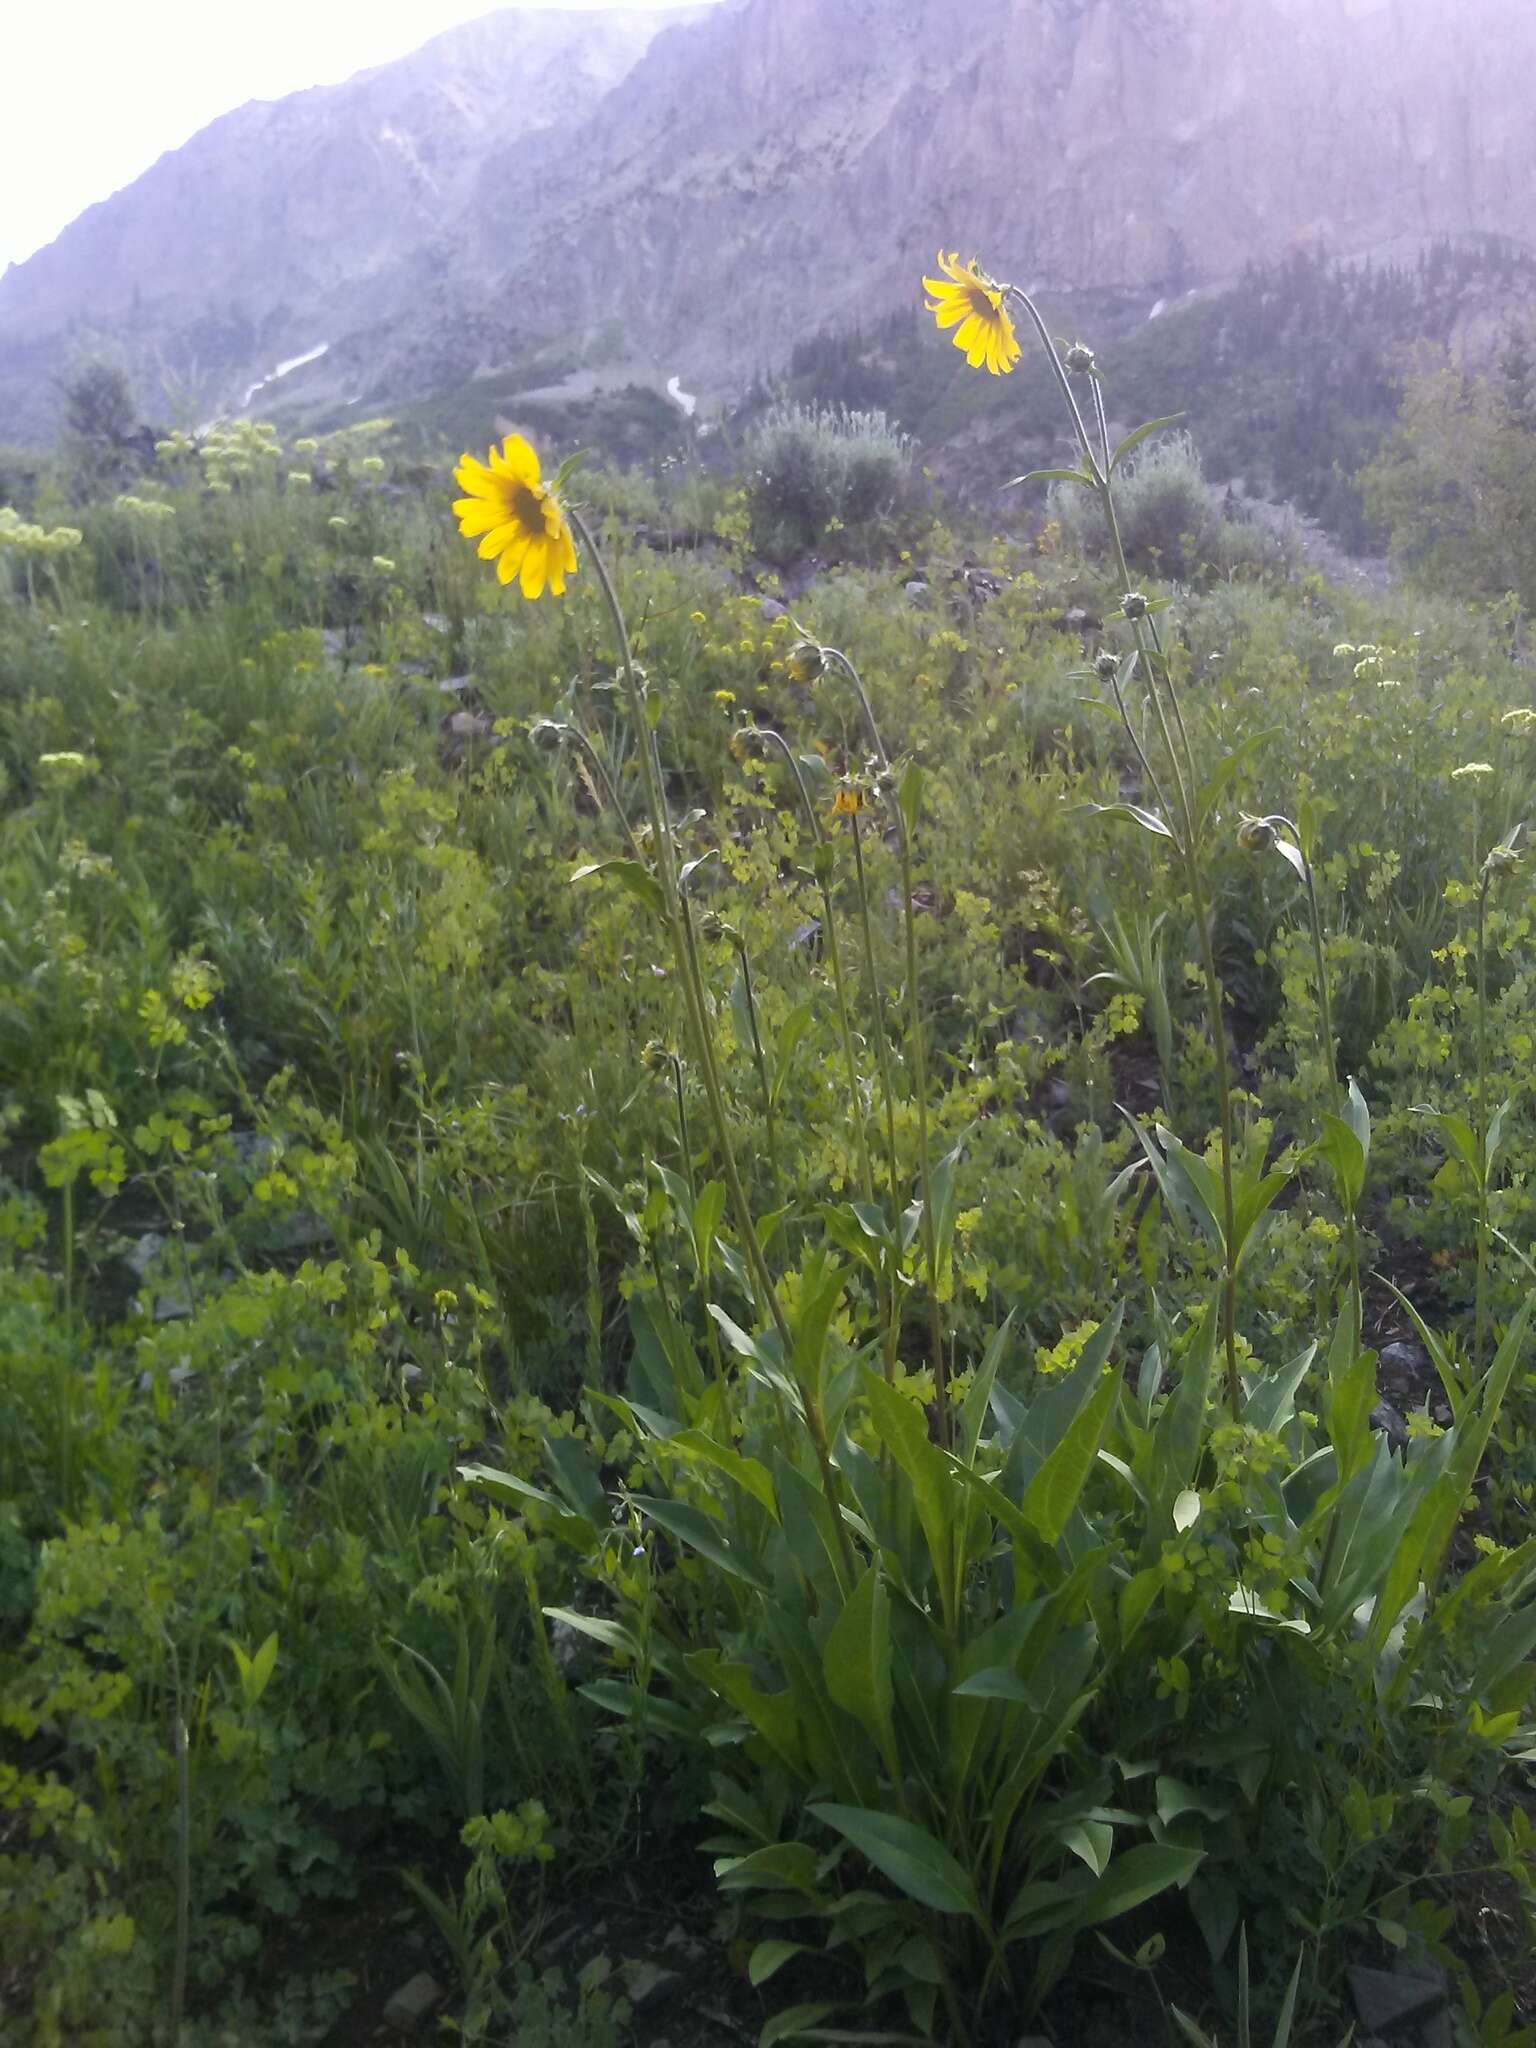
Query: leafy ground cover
{"x":623,"y":1347}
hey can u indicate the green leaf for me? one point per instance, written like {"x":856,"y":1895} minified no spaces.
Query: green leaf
{"x":769,"y":1957}
{"x":692,"y":1526}
{"x":700,"y":1448}
{"x":799,"y":2019}
{"x":690,"y":868}
{"x":793,"y":1029}
{"x":708,"y":1214}
{"x":255,"y":1671}
{"x":908,"y":1855}
{"x":1140,"y":1874}
{"x":632,"y":875}
{"x":1461,"y":1138}
{"x":1052,"y":476}
{"x":1340,"y":1147}
{"x":573,"y":1529}
{"x":1216,"y":783}
{"x":611,"y":1634}
{"x":1134,"y":440}
{"x":1148,"y":820}
{"x":1053,"y":1493}
{"x":856,"y":1662}
{"x":909,"y":794}
{"x":903,"y":1429}
{"x":1091,"y":1840}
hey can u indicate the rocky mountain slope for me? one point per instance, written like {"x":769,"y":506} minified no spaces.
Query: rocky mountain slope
{"x":769,"y":167}
{"x":289,"y":224}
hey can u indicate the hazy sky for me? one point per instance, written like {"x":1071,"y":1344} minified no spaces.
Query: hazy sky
{"x":94,"y":90}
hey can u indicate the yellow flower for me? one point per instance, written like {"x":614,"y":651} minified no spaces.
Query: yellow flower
{"x":848,"y":803}
{"x":517,"y":517}
{"x":967,"y":300}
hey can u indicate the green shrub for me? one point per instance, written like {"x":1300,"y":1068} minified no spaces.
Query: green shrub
{"x":818,"y":474}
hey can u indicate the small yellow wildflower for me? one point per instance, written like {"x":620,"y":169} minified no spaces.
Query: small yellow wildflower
{"x":517,"y":518}
{"x":300,"y":479}
{"x":1064,"y":1355}
{"x":383,"y":562}
{"x":849,"y":803}
{"x":63,"y":771}
{"x":1523,"y":720}
{"x":1472,"y":769}
{"x":966,"y":299}
{"x":725,"y":697}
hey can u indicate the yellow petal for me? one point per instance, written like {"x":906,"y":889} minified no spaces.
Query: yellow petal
{"x":477,"y":515}
{"x":517,"y":460}
{"x":535,"y":565}
{"x":497,"y":542}
{"x":474,"y":477}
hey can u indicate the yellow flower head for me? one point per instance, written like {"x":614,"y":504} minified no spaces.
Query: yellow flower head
{"x":848,"y":803}
{"x":516,"y":517}
{"x":966,"y":299}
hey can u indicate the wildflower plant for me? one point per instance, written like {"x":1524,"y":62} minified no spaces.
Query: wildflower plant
{"x":901,"y":1590}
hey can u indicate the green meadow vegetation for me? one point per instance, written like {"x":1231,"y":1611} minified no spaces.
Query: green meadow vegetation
{"x":850,"y":1258}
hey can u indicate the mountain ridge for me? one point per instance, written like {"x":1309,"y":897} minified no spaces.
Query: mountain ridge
{"x":739,"y":175}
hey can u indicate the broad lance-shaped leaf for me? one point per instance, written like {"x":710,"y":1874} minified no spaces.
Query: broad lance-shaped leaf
{"x":692,"y":1526}
{"x":1056,"y":1488}
{"x":1148,"y":820}
{"x":1216,"y":783}
{"x":1051,"y":476}
{"x":857,"y":1662}
{"x":632,"y":875}
{"x":700,"y":1448}
{"x":1470,"y":1440}
{"x":908,"y":1855}
{"x":1134,"y":440}
{"x":794,"y":1028}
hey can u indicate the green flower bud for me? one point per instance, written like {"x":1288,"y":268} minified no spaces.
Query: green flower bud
{"x":804,"y":662}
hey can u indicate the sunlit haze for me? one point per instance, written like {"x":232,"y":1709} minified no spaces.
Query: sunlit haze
{"x":94,"y":93}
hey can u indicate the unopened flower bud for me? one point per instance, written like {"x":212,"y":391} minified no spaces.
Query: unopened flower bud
{"x":1079,"y":359}
{"x":804,"y":662}
{"x":1256,"y":835}
{"x":1106,"y":668}
{"x":1134,"y":605}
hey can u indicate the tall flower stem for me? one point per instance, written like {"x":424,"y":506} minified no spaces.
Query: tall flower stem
{"x":1184,"y":823}
{"x":883,"y":1056}
{"x":697,"y":1009}
{"x":924,"y":1159}
{"x":834,"y":958}
{"x":918,"y":1041}
{"x":759,"y":1060}
{"x":888,"y":1301}
{"x":1481,"y":1310}
{"x":1330,"y":1061}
